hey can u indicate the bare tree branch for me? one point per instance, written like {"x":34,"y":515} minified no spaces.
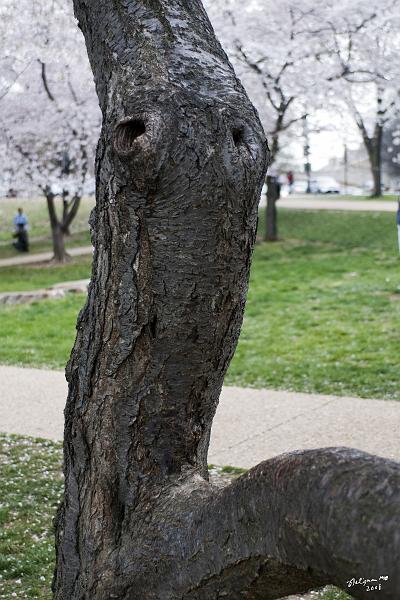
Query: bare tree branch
{"x":45,"y":82}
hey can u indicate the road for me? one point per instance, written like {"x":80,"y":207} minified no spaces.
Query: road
{"x":332,"y":203}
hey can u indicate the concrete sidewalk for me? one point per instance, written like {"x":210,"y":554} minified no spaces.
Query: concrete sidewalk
{"x":324,"y":203}
{"x":250,"y":425}
{"x":27,"y":259}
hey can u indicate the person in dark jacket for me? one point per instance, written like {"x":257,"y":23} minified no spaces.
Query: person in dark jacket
{"x":21,"y":232}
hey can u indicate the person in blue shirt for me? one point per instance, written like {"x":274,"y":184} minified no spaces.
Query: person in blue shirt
{"x":21,"y":231}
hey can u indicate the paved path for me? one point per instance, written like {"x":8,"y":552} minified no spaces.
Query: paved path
{"x":324,"y":203}
{"x":26,"y":259}
{"x":250,"y":425}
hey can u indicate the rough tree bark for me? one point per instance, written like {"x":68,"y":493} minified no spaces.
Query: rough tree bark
{"x":180,"y":164}
{"x":60,"y":227}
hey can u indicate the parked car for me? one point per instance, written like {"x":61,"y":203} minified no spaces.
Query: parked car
{"x":325,"y":185}
{"x":318,"y":185}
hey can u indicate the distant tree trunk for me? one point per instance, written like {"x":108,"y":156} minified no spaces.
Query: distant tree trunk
{"x":375,"y":158}
{"x":275,"y":145}
{"x":60,"y":254}
{"x":59,"y":228}
{"x":273,"y":188}
{"x":180,"y":164}
{"x":271,"y":227}
{"x":373,"y":146}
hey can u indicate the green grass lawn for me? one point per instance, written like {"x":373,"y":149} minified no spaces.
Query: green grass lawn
{"x":387,"y":197}
{"x":42,"y":275}
{"x":31,"y":489}
{"x":323,"y":310}
{"x":40,"y":334}
{"x":39,"y":227}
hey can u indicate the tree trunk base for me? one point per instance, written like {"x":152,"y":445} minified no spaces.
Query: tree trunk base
{"x":67,"y":258}
{"x":294,"y":523}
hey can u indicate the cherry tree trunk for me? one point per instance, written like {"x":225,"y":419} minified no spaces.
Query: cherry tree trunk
{"x":373,"y":145}
{"x":60,"y":227}
{"x":60,"y":254}
{"x":271,"y":225}
{"x":57,"y":232}
{"x":375,"y":158}
{"x":180,"y":164}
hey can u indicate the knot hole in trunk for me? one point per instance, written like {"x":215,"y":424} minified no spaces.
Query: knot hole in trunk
{"x":238,"y":135}
{"x":126,"y":133}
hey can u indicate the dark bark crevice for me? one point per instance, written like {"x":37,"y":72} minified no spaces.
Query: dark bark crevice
{"x":256,"y":577}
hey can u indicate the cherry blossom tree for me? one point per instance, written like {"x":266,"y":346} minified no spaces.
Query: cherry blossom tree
{"x":15,"y":26}
{"x":271,"y":49}
{"x":49,"y":112}
{"x":391,"y":151}
{"x":361,"y":42}
{"x":295,"y":58}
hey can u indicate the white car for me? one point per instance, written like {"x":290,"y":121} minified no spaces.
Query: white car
{"x":318,"y":185}
{"x":325,"y":185}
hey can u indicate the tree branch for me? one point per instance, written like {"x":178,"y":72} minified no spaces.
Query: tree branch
{"x":8,"y":87}
{"x":45,"y":82}
{"x":333,"y":514}
{"x":51,"y":207}
{"x":71,"y":213}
